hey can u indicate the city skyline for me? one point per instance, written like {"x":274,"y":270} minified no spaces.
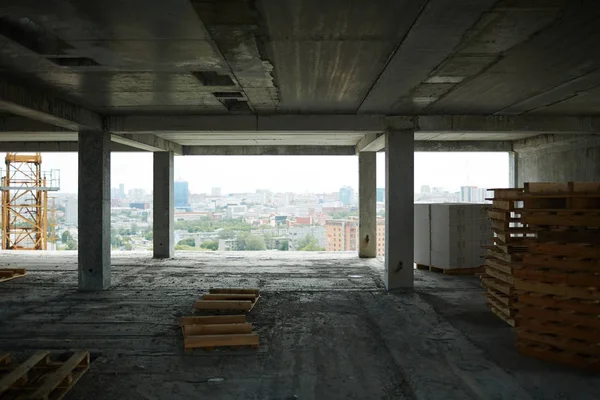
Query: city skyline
{"x":301,"y":174}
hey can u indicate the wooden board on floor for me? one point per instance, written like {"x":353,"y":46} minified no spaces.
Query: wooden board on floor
{"x":6,"y":274}
{"x":216,"y":329}
{"x":454,"y":271}
{"x":213,"y":319}
{"x":212,"y":341}
{"x":238,"y":305}
{"x":234,"y":291}
{"x":41,"y":378}
{"x":548,"y":353}
{"x":576,"y":292}
{"x":498,"y":285}
{"x":510,"y":321}
{"x":232,"y":296}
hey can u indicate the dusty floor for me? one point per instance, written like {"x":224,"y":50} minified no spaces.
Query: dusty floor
{"x":328,"y":330}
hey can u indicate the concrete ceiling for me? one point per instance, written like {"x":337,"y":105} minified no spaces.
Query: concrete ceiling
{"x":478,"y":57}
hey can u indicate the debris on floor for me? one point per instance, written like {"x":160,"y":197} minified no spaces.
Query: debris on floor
{"x":558,"y":286}
{"x":39,"y":377}
{"x":451,"y":271}
{"x":236,"y":299}
{"x":6,"y":274}
{"x":213,"y":331}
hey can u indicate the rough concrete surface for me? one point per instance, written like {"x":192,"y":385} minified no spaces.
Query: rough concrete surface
{"x":328,"y":330}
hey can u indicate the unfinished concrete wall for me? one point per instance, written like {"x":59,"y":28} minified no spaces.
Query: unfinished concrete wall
{"x":558,"y":158}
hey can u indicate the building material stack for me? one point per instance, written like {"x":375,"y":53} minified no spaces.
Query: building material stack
{"x":504,"y":255}
{"x":558,"y":287}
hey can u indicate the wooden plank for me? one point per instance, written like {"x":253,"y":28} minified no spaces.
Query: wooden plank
{"x":500,"y":297}
{"x":569,"y":236}
{"x":533,"y":349}
{"x":506,"y":193}
{"x":494,"y":273}
{"x":580,"y":250}
{"x":213,"y":319}
{"x":5,"y":359}
{"x":548,"y":301}
{"x":12,"y":273}
{"x":558,"y":290}
{"x":545,"y":188}
{"x":560,"y":329}
{"x":422,"y":266}
{"x":507,"y":311}
{"x":456,"y":271}
{"x":584,"y":187}
{"x":572,"y":279}
{"x":499,"y":215}
{"x":503,"y":316}
{"x":245,"y":305}
{"x":19,"y":374}
{"x":508,"y":258}
{"x":503,"y":204}
{"x":234,"y":296}
{"x":52,"y":381}
{"x":558,"y":220}
{"x":234,"y":291}
{"x":549,"y":315}
{"x":209,"y":341}
{"x":565,"y":344}
{"x":216,"y":329}
{"x":500,"y":286}
{"x":561,"y":263}
{"x":499,"y":265}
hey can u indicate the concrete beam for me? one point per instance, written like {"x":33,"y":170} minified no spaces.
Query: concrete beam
{"x":147,"y":142}
{"x":56,"y":147}
{"x":164,"y":205}
{"x":556,"y":142}
{"x":514,"y":124}
{"x":466,"y":146}
{"x":43,"y":107}
{"x":268,"y":150}
{"x":246,"y":123}
{"x":371,"y":142}
{"x":14,"y":124}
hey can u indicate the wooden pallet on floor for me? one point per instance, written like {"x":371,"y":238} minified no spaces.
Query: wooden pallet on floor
{"x":39,"y":377}
{"x":228,"y":299}
{"x":6,"y":274}
{"x":209,"y":332}
{"x":451,"y":271}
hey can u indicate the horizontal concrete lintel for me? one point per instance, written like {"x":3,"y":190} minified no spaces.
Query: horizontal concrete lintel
{"x":371,"y":142}
{"x":462,"y":146}
{"x":146,"y":124}
{"x":44,"y":107}
{"x":56,"y":147}
{"x":514,"y":124}
{"x":268,"y":150}
{"x":147,"y":142}
{"x":556,"y":142}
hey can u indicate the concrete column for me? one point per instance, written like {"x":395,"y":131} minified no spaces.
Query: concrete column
{"x":94,"y":211}
{"x":513,"y":169}
{"x":164,"y":202}
{"x":367,"y":198}
{"x":399,"y":209}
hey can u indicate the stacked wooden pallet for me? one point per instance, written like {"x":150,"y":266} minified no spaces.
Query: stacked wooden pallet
{"x":558,"y":287}
{"x":6,"y":274}
{"x":235,"y":299}
{"x":212,"y":331}
{"x":504,"y":255}
{"x":40,"y":377}
{"x":209,"y":332}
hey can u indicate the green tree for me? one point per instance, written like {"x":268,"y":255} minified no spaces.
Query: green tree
{"x":226,"y":234}
{"x":149,"y":235}
{"x":246,"y":241}
{"x":210,"y":245}
{"x":284,"y":245}
{"x":134,"y":229}
{"x":188,"y":242}
{"x":66,"y":236}
{"x":71,"y":244}
{"x":309,"y":243}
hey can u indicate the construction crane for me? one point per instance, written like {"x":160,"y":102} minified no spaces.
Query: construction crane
{"x":25,"y":202}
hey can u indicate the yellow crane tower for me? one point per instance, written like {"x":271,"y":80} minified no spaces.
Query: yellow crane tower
{"x":25,"y":202}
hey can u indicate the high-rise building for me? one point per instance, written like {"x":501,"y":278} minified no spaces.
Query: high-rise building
{"x":380,"y":195}
{"x":182,"y":194}
{"x":341,"y":235}
{"x":71,"y":211}
{"x":216,"y":192}
{"x":121,"y":190}
{"x":346,"y":195}
{"x":472,"y":194}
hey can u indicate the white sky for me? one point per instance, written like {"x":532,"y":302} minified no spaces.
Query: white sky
{"x":288,"y":173}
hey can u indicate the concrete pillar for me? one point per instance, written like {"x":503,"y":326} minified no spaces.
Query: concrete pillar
{"x":164,"y":202}
{"x":94,"y":211}
{"x":367,"y":198}
{"x":399,"y":209}
{"x":513,"y":169}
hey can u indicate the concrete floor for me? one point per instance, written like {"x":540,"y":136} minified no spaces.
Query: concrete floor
{"x":328,"y":330}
